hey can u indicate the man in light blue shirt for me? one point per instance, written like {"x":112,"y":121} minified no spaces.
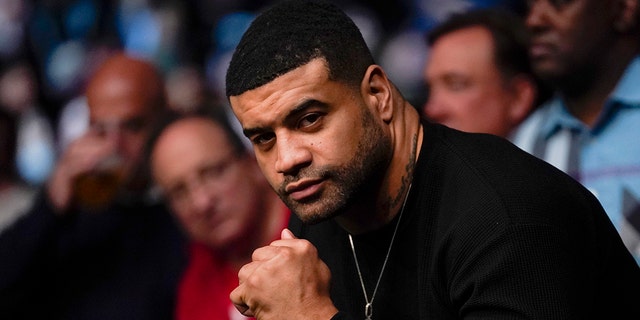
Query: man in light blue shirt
{"x":591,"y":128}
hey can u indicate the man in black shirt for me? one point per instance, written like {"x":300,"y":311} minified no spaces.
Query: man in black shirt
{"x":397,"y":218}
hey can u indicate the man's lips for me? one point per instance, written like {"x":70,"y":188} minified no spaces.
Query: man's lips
{"x":303,"y":189}
{"x":540,"y":49}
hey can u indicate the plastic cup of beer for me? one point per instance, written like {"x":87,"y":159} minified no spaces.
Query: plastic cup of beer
{"x":98,"y":188}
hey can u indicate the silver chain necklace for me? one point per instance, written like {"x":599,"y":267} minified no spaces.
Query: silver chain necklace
{"x":368,"y":307}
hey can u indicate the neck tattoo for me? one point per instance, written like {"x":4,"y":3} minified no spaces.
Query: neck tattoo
{"x":368,"y":307}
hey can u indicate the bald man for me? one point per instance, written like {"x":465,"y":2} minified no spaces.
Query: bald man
{"x":96,"y":245}
{"x":124,"y":96}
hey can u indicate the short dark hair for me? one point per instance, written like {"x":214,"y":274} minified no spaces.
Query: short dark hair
{"x":292,"y":33}
{"x":509,"y":34}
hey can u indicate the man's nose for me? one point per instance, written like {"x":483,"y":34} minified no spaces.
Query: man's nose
{"x":435,"y":108}
{"x":536,"y":15}
{"x":200,"y":197}
{"x":292,"y":154}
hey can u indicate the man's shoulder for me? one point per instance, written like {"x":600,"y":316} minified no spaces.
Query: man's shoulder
{"x":461,"y":150}
{"x":482,"y":170}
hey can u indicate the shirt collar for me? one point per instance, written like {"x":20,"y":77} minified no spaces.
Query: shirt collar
{"x":626,"y":93}
{"x":626,"y":90}
{"x":557,"y":117}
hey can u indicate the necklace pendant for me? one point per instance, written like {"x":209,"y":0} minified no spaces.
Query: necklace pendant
{"x":368,"y":308}
{"x":368,"y":311}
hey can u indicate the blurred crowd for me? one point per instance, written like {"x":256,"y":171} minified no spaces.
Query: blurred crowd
{"x":49,"y":48}
{"x":469,"y":72}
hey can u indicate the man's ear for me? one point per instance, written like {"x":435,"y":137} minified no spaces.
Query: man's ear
{"x":626,"y":14}
{"x":376,"y":91}
{"x":525,"y":92}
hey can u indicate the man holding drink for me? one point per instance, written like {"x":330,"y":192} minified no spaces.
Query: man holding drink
{"x":96,"y":244}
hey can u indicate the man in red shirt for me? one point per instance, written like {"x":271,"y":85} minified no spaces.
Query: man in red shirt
{"x":223,"y":203}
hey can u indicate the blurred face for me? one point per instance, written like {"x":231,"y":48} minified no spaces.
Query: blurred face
{"x":213,"y":191}
{"x":120,"y":111}
{"x":466,"y":89}
{"x":316,"y":141}
{"x":568,"y":34}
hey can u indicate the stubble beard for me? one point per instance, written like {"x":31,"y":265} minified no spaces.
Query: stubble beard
{"x":347,"y":184}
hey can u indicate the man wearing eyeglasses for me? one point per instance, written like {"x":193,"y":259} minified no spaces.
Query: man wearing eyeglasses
{"x":224,"y":204}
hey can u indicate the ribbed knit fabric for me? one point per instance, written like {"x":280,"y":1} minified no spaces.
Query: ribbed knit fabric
{"x":489,"y":232}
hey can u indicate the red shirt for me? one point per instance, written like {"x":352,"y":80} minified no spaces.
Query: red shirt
{"x":204,"y":289}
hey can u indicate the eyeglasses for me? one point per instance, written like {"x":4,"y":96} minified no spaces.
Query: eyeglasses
{"x":208,"y":177}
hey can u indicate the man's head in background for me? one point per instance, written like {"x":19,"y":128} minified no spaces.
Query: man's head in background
{"x":213,"y":183}
{"x":125,"y":96}
{"x":478,"y":72}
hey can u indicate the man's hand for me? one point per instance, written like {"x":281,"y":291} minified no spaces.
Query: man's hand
{"x":285,"y":280}
{"x":81,"y":157}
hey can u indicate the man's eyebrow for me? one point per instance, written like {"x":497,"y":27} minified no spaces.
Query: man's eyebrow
{"x":302,"y":107}
{"x":249,"y":132}
{"x":290,"y":116}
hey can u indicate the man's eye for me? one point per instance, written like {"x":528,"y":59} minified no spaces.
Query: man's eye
{"x":100,"y":131}
{"x":211,"y":172}
{"x":309,"y":120}
{"x":457,"y":84}
{"x":134,"y":125}
{"x":263,"y":139}
{"x":560,"y":3}
{"x":177,"y":193}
